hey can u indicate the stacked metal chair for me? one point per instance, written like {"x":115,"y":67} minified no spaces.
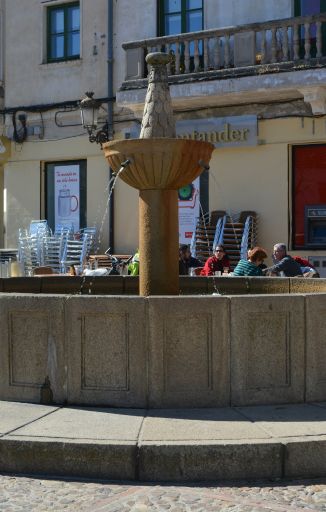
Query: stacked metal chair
{"x":74,"y":253}
{"x":38,"y":247}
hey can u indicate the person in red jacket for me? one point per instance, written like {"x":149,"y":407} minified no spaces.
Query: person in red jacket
{"x":307,"y":268}
{"x":218,"y":262}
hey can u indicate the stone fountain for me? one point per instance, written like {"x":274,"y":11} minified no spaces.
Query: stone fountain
{"x":159,"y":164}
{"x":261,"y":343}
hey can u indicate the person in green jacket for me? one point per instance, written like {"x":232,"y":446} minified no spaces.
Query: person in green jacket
{"x":133,"y":267}
{"x":251,"y":266}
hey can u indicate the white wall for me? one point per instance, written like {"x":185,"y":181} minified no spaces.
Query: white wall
{"x":29,"y":79}
{"x":22,"y":187}
{"x":22,"y":181}
{"x":224,"y":13}
{"x":133,"y":20}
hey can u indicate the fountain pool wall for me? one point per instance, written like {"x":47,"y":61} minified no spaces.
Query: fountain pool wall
{"x":178,"y":351}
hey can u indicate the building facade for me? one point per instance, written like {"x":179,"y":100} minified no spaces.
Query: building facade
{"x":57,"y":52}
{"x":247,"y":75}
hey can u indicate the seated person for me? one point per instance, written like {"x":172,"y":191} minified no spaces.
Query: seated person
{"x":283,"y":263}
{"x":307,"y":268}
{"x":251,"y":266}
{"x":186,"y":261}
{"x":218,"y":262}
{"x":133,"y":267}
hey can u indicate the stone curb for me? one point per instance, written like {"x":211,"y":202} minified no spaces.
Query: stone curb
{"x":153,"y":461}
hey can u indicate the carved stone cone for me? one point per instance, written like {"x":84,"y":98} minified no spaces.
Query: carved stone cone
{"x":159,"y":165}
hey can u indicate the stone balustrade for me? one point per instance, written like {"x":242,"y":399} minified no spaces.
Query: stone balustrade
{"x":161,"y":352}
{"x":282,"y":41}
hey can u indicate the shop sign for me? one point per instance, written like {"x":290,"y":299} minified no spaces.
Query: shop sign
{"x":220,"y":131}
{"x":66,"y":196}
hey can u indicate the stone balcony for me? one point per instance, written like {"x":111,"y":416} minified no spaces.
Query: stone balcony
{"x":280,"y":60}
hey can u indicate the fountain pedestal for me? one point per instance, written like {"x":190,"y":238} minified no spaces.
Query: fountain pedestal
{"x":158,"y":242}
{"x":158,"y":168}
{"x":159,"y":165}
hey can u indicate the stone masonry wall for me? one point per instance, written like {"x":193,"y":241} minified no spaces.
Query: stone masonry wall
{"x":190,"y":351}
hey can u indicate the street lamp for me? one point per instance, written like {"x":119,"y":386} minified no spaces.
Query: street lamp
{"x":89,"y":110}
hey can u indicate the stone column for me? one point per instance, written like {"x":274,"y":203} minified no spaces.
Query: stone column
{"x":158,"y":209}
{"x":158,"y":242}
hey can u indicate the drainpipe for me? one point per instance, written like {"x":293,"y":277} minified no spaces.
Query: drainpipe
{"x":110,"y":113}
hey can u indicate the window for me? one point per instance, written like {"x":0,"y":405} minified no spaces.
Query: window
{"x":63,"y":32}
{"x":308,"y":7}
{"x":178,"y":16}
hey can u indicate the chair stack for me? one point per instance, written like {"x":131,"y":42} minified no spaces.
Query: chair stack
{"x":38,"y":247}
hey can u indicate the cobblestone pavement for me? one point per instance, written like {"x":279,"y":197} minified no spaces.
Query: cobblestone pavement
{"x":29,"y":494}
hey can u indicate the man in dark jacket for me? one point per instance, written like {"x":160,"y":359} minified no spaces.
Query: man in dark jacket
{"x":186,"y":261}
{"x":283,"y":263}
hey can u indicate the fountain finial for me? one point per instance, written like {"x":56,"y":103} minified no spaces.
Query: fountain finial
{"x":158,"y":119}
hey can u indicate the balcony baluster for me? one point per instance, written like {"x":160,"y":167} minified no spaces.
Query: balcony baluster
{"x":307,"y":43}
{"x":217,"y":58}
{"x":263,"y":47}
{"x":177,"y":58}
{"x":296,"y":42}
{"x":168,"y":50}
{"x":285,"y":45}
{"x":196,"y":56}
{"x":274,"y":46}
{"x":206,"y":59}
{"x":227,"y":51}
{"x":187,"y":57}
{"x":319,"y":40}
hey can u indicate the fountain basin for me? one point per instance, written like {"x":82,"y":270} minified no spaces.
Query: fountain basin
{"x":189,"y":351}
{"x":158,"y":163}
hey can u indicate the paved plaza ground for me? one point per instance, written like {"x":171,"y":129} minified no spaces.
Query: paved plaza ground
{"x":30,"y":494}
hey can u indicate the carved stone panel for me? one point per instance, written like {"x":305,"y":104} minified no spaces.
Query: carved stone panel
{"x":267,"y":349}
{"x":316,"y":348}
{"x":106,"y":339}
{"x":32,"y":348}
{"x":188,"y":351}
{"x":105,"y":352}
{"x":272,"y":371}
{"x":184,"y":368}
{"x":28,"y":340}
{"x":244,"y":49}
{"x":134,"y":63}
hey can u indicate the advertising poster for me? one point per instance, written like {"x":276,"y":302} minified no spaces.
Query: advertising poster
{"x":67,"y":196}
{"x":189,"y":211}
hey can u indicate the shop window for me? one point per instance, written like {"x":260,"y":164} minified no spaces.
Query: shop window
{"x":65,"y":194}
{"x":309,"y":197}
{"x":308,"y":8}
{"x":180,"y":16}
{"x":63,"y":32}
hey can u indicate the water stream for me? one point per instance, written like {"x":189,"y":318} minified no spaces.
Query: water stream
{"x":112,"y":183}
